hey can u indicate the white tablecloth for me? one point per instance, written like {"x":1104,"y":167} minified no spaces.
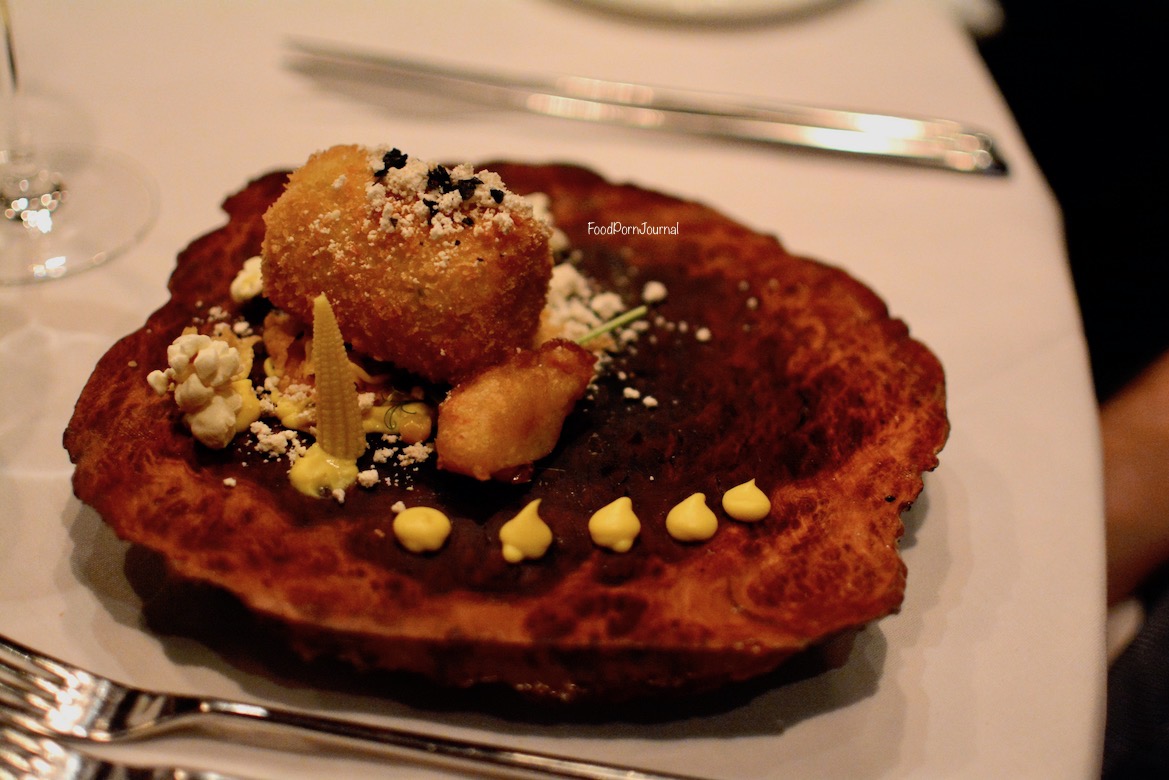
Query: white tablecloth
{"x":995,"y":665}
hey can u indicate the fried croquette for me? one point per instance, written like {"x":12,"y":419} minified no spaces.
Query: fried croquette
{"x":496,"y":424}
{"x":441,"y":271}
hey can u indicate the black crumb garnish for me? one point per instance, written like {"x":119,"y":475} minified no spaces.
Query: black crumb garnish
{"x":467,"y":187}
{"x":497,"y":195}
{"x":439,"y":178}
{"x":431,"y":206}
{"x":468,"y":221}
{"x":392,"y":160}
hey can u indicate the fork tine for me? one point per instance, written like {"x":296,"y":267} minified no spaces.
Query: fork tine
{"x":28,"y":755}
{"x":17,"y":682}
{"x":26,"y":689}
{"x":17,"y":667}
{"x":30,"y":668}
{"x":21,"y":720}
{"x":14,"y":652}
{"x":24,"y":661}
{"x":18,"y":694}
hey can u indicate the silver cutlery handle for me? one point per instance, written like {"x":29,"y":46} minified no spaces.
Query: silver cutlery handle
{"x":938,"y":143}
{"x":431,"y":748}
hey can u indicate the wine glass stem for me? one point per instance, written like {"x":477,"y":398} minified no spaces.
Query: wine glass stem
{"x":16,"y":140}
{"x":27,"y":188}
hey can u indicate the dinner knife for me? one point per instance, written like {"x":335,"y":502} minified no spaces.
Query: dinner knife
{"x":935,"y":143}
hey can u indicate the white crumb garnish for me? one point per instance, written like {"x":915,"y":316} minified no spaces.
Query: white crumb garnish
{"x":653,"y":292}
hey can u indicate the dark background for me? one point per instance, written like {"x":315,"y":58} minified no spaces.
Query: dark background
{"x":1086,"y":82}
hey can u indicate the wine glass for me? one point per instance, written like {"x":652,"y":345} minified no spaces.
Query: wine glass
{"x":63,"y":208}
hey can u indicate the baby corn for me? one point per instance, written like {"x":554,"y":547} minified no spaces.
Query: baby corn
{"x":339,"y":429}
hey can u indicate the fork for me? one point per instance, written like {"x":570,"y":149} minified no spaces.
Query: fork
{"x":51,"y":698}
{"x":26,"y":756}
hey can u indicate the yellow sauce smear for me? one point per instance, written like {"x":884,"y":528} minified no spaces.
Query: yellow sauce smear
{"x":291,"y":412}
{"x":692,"y":520}
{"x":526,"y":535}
{"x":412,"y":421}
{"x":746,"y":502}
{"x":317,"y":473}
{"x":421,"y":529}
{"x":249,"y":409}
{"x":615,"y":525}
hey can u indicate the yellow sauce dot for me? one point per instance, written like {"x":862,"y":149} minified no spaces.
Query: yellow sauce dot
{"x":615,"y":525}
{"x":317,"y":473}
{"x":526,"y":535}
{"x":692,"y":520}
{"x":421,"y":529}
{"x":746,"y":502}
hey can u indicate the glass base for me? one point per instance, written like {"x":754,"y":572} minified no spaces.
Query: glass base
{"x":108,"y":204}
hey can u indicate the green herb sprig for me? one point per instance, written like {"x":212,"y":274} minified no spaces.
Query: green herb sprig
{"x":617,"y":322}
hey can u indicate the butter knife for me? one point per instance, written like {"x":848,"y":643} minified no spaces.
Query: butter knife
{"x":935,"y":143}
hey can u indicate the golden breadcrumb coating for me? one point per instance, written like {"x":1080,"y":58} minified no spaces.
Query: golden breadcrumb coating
{"x":441,"y":271}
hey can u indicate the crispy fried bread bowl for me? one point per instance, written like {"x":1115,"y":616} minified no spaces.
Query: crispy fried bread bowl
{"x":801,"y":381}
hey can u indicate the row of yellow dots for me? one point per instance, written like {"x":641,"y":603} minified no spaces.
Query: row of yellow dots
{"x":615,"y":526}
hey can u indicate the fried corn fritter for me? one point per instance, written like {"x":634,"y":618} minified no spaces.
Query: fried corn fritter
{"x":498,"y":423}
{"x":441,"y":271}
